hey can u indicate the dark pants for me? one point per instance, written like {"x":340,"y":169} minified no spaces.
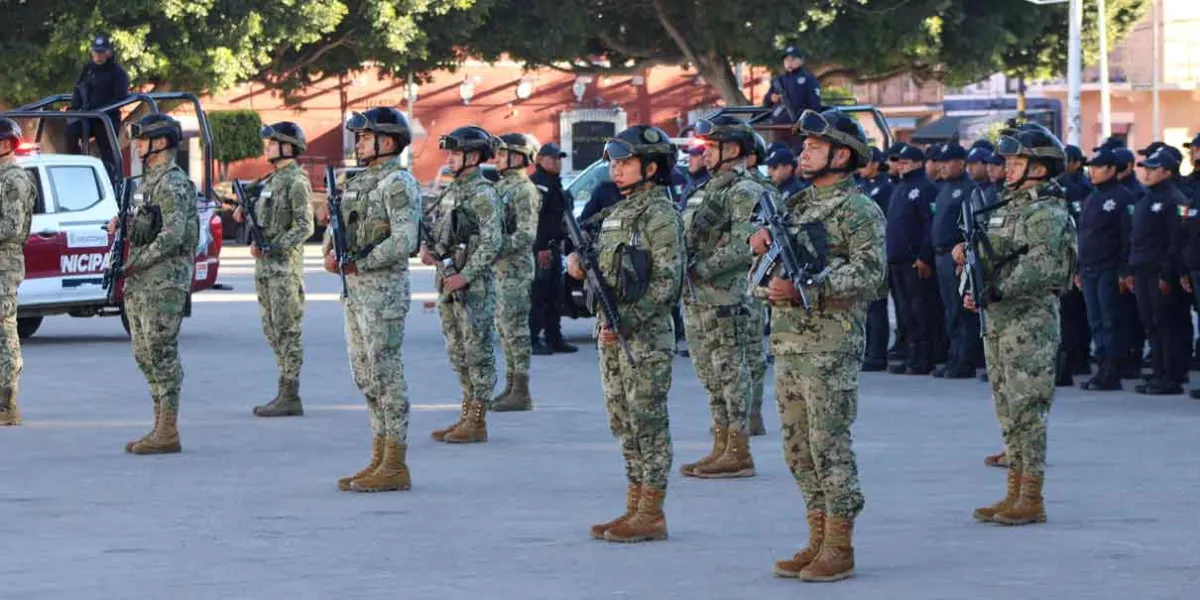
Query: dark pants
{"x":1073,"y":333}
{"x":914,"y":304}
{"x":547,"y":287}
{"x":1134,"y":331}
{"x":962,"y":325}
{"x":901,"y":332}
{"x":96,"y":130}
{"x":878,"y":331}
{"x":677,"y":318}
{"x":1101,"y":296}
{"x":1160,"y":317}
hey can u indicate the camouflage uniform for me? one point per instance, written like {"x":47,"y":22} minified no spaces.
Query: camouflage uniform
{"x":514,"y":270}
{"x":1022,"y":325}
{"x":717,"y":228}
{"x":17,"y":198}
{"x":468,"y":333}
{"x":163,"y":233}
{"x":818,"y":355}
{"x":636,"y":395}
{"x":381,"y":207}
{"x":286,"y":219}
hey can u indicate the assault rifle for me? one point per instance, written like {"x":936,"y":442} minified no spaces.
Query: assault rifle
{"x":116,"y":255}
{"x":444,"y":257}
{"x":598,"y":289}
{"x":337,"y":229}
{"x":253,"y":230}
{"x":972,"y":280}
{"x":801,"y":267}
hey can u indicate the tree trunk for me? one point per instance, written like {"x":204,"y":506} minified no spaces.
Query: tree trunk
{"x":719,"y":74}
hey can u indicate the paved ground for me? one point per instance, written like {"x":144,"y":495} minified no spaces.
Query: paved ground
{"x":250,"y":510}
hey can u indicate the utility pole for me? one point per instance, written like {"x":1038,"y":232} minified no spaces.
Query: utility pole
{"x":1074,"y":66}
{"x":1157,"y":65}
{"x":1105,"y":100}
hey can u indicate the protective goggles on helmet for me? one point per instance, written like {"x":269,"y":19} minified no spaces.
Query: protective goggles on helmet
{"x":357,"y":122}
{"x":1013,"y":146}
{"x":286,"y":135}
{"x":616,"y":149}
{"x":707,"y":129}
{"x":137,"y":130}
{"x":812,"y":123}
{"x":450,"y":143}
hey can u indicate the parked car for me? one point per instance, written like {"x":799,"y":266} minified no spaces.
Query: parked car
{"x":69,"y":245}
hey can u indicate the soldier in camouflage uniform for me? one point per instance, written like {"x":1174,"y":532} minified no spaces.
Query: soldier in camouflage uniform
{"x":520,"y":203}
{"x":381,"y":210}
{"x":818,"y":354}
{"x":640,"y":253}
{"x":716,"y":306}
{"x":756,"y":350}
{"x":163,"y":233}
{"x":1030,"y":262}
{"x":467,"y":237}
{"x":285,"y":219}
{"x":17,"y":198}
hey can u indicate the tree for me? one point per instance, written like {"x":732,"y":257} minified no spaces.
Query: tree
{"x":235,"y":136}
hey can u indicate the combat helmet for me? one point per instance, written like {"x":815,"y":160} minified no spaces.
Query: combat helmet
{"x":1036,"y":143}
{"x":382,"y":120}
{"x":647,"y":143}
{"x":519,"y":143}
{"x":286,"y":132}
{"x":10,"y":130}
{"x":154,"y":126}
{"x":841,"y":131}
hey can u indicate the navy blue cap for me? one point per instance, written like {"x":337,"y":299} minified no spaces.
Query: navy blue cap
{"x":1110,"y":143}
{"x":1074,"y":153}
{"x":876,"y":155}
{"x":978,"y":155}
{"x":551,"y":149}
{"x":894,"y":149}
{"x":1106,"y":157}
{"x":793,"y":51}
{"x":995,"y":159}
{"x":777,"y":145}
{"x":932,"y":151}
{"x":1161,"y":159}
{"x":1125,"y":155}
{"x":951,"y":152}
{"x":100,"y":43}
{"x":695,"y":150}
{"x":1195,"y":143}
{"x":781,"y":156}
{"x":907,"y":152}
{"x":1151,"y":149}
{"x":985,"y":144}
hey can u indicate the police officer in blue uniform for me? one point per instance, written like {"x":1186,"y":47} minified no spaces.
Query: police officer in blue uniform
{"x":1103,"y":227}
{"x":1131,"y":355}
{"x":793,"y":91}
{"x":1154,"y":273}
{"x":910,"y":258}
{"x":1183,"y":316}
{"x":781,"y":167}
{"x":1191,"y":184}
{"x":874,"y":182}
{"x":947,"y":233}
{"x":1074,"y":333}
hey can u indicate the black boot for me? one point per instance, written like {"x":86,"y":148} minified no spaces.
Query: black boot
{"x":539,"y":348}
{"x":1107,"y":379}
{"x":560,"y":346}
{"x":1062,"y":370}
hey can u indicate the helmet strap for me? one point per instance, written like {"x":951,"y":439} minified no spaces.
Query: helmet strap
{"x":829,"y":168}
{"x":459,"y":171}
{"x":508,"y":162}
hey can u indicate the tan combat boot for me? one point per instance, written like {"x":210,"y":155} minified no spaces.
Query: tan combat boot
{"x":986,"y":513}
{"x":757,"y":427}
{"x":632,"y":496}
{"x":376,"y":459}
{"x":392,"y":474}
{"x":286,"y":404}
{"x":718,"y":448}
{"x":164,"y":439}
{"x":518,"y":398}
{"x":816,"y":533}
{"x":508,"y":385}
{"x":10,"y":414}
{"x":996,"y":460}
{"x":129,"y":445}
{"x":647,"y":524}
{"x":1029,"y":507}
{"x":439,"y":435}
{"x":734,"y":462}
{"x":836,"y":559}
{"x":472,"y":430}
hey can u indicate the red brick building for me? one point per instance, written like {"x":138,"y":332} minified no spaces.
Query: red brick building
{"x":578,"y":112}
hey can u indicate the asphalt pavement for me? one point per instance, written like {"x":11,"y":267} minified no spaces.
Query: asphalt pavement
{"x":250,"y":508}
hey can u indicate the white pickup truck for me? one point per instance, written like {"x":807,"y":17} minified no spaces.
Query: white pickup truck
{"x":68,"y":247}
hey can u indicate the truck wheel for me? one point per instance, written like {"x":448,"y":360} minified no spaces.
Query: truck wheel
{"x":27,"y":326}
{"x":124,"y":320}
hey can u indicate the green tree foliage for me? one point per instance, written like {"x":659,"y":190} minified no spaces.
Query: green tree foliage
{"x":235,"y":136}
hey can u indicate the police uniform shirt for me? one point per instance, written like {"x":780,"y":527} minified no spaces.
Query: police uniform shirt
{"x":909,"y":218}
{"x":946,"y":232}
{"x":1155,"y":218}
{"x":1103,"y":226}
{"x":798,"y":89}
{"x":878,"y":189}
